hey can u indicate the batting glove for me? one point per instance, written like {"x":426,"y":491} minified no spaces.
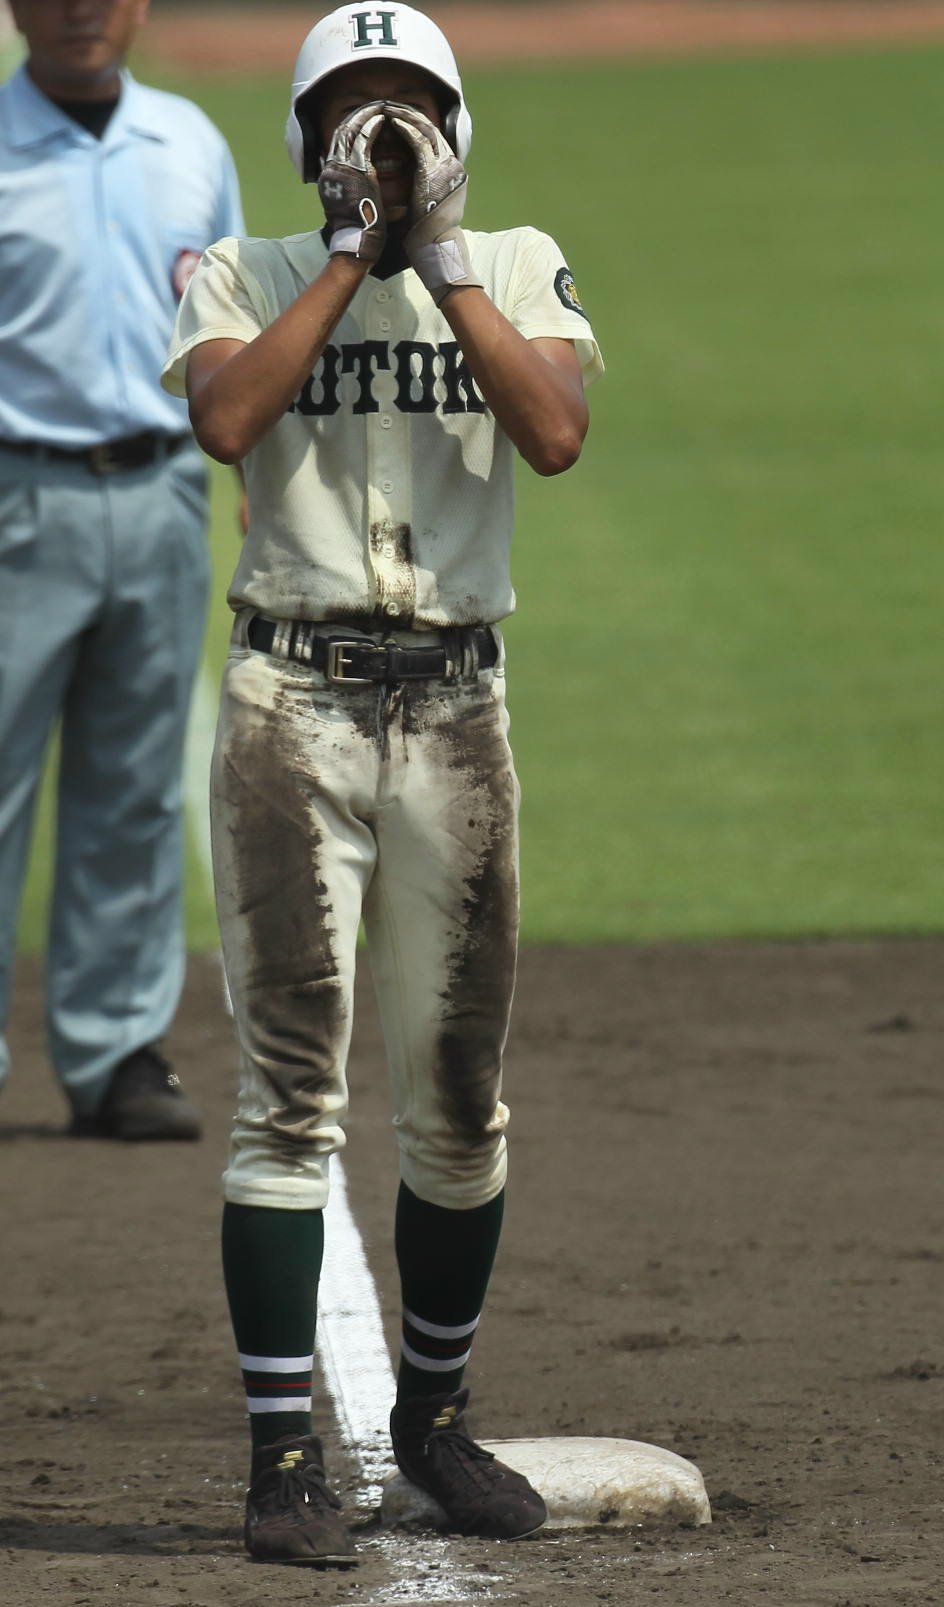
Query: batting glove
{"x":435,"y":244}
{"x":350,"y":190}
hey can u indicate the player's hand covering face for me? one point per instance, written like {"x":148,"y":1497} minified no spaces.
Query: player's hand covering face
{"x":440,"y":180}
{"x":350,"y":189}
{"x":435,"y":243}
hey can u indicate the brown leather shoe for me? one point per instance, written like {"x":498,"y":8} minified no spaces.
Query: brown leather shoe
{"x":291,"y":1515}
{"x":143,"y":1102}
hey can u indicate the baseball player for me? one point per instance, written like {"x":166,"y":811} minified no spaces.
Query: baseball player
{"x":376,"y":378}
{"x":109,"y":192}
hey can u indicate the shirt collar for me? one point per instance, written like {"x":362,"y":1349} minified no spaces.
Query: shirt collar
{"x":33,"y":119}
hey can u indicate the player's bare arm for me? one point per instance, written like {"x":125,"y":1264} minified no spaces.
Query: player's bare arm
{"x":534,"y":388}
{"x":239,"y":390}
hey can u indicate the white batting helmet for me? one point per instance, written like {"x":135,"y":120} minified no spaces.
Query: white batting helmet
{"x":371,"y":33}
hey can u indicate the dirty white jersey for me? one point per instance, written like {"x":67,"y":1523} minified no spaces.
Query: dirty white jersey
{"x":387,"y":488}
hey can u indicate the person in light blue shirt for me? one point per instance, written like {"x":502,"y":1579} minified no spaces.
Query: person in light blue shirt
{"x":109,"y":193}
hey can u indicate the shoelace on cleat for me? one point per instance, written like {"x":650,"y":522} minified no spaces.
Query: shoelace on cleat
{"x":470,"y":1459}
{"x":298,"y":1484}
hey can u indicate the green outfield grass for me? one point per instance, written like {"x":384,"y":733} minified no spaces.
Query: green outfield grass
{"x":725,"y":674}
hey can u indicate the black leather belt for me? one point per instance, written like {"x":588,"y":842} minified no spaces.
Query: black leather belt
{"x":109,"y":457}
{"x":355,"y":661}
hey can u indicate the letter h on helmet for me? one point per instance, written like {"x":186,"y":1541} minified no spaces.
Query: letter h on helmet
{"x":375,"y":33}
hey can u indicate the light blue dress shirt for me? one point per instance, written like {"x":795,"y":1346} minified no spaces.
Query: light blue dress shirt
{"x":96,"y":238}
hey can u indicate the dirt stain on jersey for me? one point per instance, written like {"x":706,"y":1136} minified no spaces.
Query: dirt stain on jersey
{"x":391,"y":541}
{"x":391,"y":547}
{"x":280,"y":958}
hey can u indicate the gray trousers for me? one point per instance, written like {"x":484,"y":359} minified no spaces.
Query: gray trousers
{"x":398,"y":806}
{"x":103,"y":589}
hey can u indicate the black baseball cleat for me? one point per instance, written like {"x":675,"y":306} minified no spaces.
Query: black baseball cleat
{"x":143,"y":1102}
{"x":291,"y":1515}
{"x":479,"y":1495}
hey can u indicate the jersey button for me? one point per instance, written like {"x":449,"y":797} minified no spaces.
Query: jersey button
{"x":383,"y":295}
{"x":385,"y":324}
{"x":388,"y":549}
{"x":386,"y":422}
{"x":387,"y":485}
{"x":392,"y":608}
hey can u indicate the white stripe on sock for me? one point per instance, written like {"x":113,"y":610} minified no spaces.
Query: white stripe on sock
{"x":276,"y":1364}
{"x":436,"y":1331}
{"x":428,"y":1365}
{"x":279,"y":1403}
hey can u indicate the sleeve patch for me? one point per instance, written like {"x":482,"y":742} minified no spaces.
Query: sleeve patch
{"x":567,"y":292}
{"x":185,"y":266}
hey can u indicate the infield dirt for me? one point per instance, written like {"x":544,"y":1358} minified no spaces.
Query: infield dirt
{"x":217,"y":39}
{"x":724,"y":1236}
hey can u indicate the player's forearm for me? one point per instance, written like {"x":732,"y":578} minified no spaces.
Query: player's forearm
{"x":541,"y":408}
{"x":234,"y":406}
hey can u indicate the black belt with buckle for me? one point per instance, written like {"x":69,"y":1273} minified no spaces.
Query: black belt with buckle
{"x":109,"y":457}
{"x":362,"y":662}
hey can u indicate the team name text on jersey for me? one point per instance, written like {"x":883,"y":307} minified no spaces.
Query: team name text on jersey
{"x":428,"y":377}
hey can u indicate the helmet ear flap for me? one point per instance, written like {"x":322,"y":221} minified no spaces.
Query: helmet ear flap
{"x":451,"y":126}
{"x":313,"y":154}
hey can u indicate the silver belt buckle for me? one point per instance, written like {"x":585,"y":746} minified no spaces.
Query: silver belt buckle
{"x":334,"y":671}
{"x":101,"y":459}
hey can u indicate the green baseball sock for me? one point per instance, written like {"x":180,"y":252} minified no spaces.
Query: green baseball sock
{"x":445,"y":1259}
{"x":271,"y":1266}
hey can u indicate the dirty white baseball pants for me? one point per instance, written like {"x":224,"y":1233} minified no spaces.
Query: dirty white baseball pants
{"x":332,"y":803}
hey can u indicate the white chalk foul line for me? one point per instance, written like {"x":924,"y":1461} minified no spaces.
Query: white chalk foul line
{"x":351,"y":1343}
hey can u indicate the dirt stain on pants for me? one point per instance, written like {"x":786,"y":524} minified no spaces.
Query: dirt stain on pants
{"x":329,"y":805}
